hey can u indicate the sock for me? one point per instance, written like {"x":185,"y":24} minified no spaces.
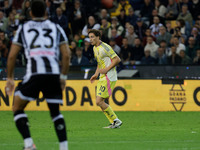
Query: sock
{"x":110,"y":113}
{"x":60,"y":128}
{"x":28,"y":142}
{"x":105,"y":113}
{"x":64,"y":145}
{"x":21,"y":122}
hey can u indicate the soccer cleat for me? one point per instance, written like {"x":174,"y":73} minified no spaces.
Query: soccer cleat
{"x":108,"y":126}
{"x":116,"y":124}
{"x":33,"y":147}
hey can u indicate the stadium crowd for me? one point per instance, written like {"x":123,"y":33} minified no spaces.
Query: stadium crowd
{"x":163,"y":32}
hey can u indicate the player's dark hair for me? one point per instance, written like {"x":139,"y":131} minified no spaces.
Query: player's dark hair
{"x":95,"y":32}
{"x":38,"y":8}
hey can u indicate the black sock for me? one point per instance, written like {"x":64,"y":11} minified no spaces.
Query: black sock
{"x":60,"y":128}
{"x":21,"y":122}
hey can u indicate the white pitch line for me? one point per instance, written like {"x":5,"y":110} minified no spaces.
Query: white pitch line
{"x":101,"y":142}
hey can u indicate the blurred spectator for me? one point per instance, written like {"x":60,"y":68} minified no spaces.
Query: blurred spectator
{"x":196,"y":60}
{"x":73,"y":47}
{"x":195,"y":9}
{"x":104,"y":15}
{"x":147,"y":34}
{"x":169,"y":28}
{"x":25,"y":14}
{"x":131,"y":35}
{"x":160,"y":8}
{"x":114,"y":46}
{"x":67,"y":7}
{"x":195,"y":34}
{"x":151,"y":46}
{"x":15,"y":13}
{"x":161,"y":57}
{"x":91,"y":25}
{"x":125,"y":52}
{"x":192,"y":47}
{"x":123,"y":4}
{"x":3,"y":22}
{"x":132,"y":18}
{"x":185,"y":59}
{"x":21,"y":61}
{"x":155,"y":27}
{"x":6,"y":8}
{"x":105,"y":26}
{"x":117,"y":38}
{"x":57,"y":3}
{"x":155,"y":14}
{"x":177,"y":33}
{"x":78,"y":40}
{"x":163,"y":35}
{"x":17,"y":4}
{"x":197,"y":23}
{"x":61,"y":19}
{"x":140,"y":28}
{"x":5,"y":39}
{"x":13,"y":23}
{"x":186,"y":2}
{"x":146,"y":9}
{"x":4,"y":53}
{"x":185,"y":15}
{"x":182,"y":40}
{"x":80,"y":60}
{"x":174,"y":58}
{"x":126,"y":27}
{"x":88,"y":50}
{"x":172,"y":11}
{"x":179,"y":46}
{"x":103,"y":38}
{"x":184,"y":27}
{"x":137,"y":52}
{"x":77,"y":17}
{"x":50,"y":10}
{"x":116,"y":25}
{"x":147,"y":59}
{"x":122,"y":17}
{"x":167,"y":50}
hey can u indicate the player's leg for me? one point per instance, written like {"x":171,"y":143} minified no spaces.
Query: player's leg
{"x":24,"y":92}
{"x":52,"y":91}
{"x":106,"y":109}
{"x":59,"y":125}
{"x":104,"y":91}
{"x":21,"y":121}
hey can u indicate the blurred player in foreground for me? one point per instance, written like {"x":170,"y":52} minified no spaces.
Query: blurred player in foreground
{"x":43,"y":41}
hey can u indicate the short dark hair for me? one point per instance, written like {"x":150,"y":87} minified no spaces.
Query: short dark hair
{"x":38,"y":8}
{"x":95,"y":32}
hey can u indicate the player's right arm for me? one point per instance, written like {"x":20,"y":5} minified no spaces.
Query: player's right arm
{"x":93,"y":78}
{"x":65,"y":52}
{"x":10,"y":68}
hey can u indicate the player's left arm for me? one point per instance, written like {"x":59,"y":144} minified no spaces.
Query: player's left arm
{"x":10,"y":68}
{"x":115,"y":60}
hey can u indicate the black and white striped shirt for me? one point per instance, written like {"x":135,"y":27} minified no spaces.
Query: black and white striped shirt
{"x":41,"y":40}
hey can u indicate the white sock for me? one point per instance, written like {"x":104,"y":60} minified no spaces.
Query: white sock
{"x":64,"y":145}
{"x":116,"y":119}
{"x":28,"y":142}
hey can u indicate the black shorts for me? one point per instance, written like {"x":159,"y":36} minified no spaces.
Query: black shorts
{"x":49,"y":85}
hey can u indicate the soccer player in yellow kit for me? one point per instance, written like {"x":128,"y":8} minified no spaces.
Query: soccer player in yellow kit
{"x":107,"y":59}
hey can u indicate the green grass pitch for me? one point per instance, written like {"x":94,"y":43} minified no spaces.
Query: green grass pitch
{"x":140,"y":131}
